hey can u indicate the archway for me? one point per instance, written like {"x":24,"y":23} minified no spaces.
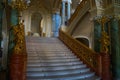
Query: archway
{"x":36,"y":24}
{"x":84,"y":41}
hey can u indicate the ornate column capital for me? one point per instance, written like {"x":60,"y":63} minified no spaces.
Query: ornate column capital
{"x":102,"y":18}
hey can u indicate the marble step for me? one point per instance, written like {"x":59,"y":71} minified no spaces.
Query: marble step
{"x":78,"y":76}
{"x":52,"y":57}
{"x":45,"y":52}
{"x":60,"y":60}
{"x":49,"y":51}
{"x":52,"y":61}
{"x":55,"y":64}
{"x":48,"y":68}
{"x":57,"y":73}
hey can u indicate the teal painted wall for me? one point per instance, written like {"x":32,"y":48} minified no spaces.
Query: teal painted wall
{"x":115,"y":47}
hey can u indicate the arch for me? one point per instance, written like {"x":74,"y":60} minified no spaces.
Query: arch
{"x":83,"y":39}
{"x":36,"y":23}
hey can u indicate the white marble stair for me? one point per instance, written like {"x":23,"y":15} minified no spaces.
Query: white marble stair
{"x":50,"y":59}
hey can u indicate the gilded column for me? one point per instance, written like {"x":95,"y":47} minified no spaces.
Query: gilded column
{"x":18,"y":58}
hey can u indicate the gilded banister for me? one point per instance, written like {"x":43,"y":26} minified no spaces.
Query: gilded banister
{"x":80,"y":6}
{"x":91,"y":58}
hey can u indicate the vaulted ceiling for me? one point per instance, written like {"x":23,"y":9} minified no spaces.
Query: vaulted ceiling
{"x":47,"y":6}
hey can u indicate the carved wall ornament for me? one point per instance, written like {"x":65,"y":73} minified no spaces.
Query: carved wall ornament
{"x":19,"y":34}
{"x":19,"y":38}
{"x":105,"y":40}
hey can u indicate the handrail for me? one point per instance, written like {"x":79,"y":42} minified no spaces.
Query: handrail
{"x":91,"y":58}
{"x":80,"y":6}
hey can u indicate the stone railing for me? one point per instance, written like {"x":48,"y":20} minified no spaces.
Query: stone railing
{"x":98,"y":62}
{"x":80,"y":6}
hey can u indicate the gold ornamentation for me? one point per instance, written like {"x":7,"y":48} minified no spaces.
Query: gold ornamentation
{"x":105,"y":42}
{"x":20,"y":5}
{"x":19,"y":38}
{"x":19,"y":33}
{"x":83,"y":52}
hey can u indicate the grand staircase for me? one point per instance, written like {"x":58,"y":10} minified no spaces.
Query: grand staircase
{"x":50,"y":59}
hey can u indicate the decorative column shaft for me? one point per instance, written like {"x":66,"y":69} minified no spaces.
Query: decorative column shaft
{"x":115,"y":47}
{"x":18,"y":58}
{"x":105,"y":42}
{"x":63,"y":13}
{"x":68,"y":9}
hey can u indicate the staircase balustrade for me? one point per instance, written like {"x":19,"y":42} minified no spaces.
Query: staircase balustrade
{"x":98,"y":63}
{"x":88,"y":56}
{"x":80,"y":6}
